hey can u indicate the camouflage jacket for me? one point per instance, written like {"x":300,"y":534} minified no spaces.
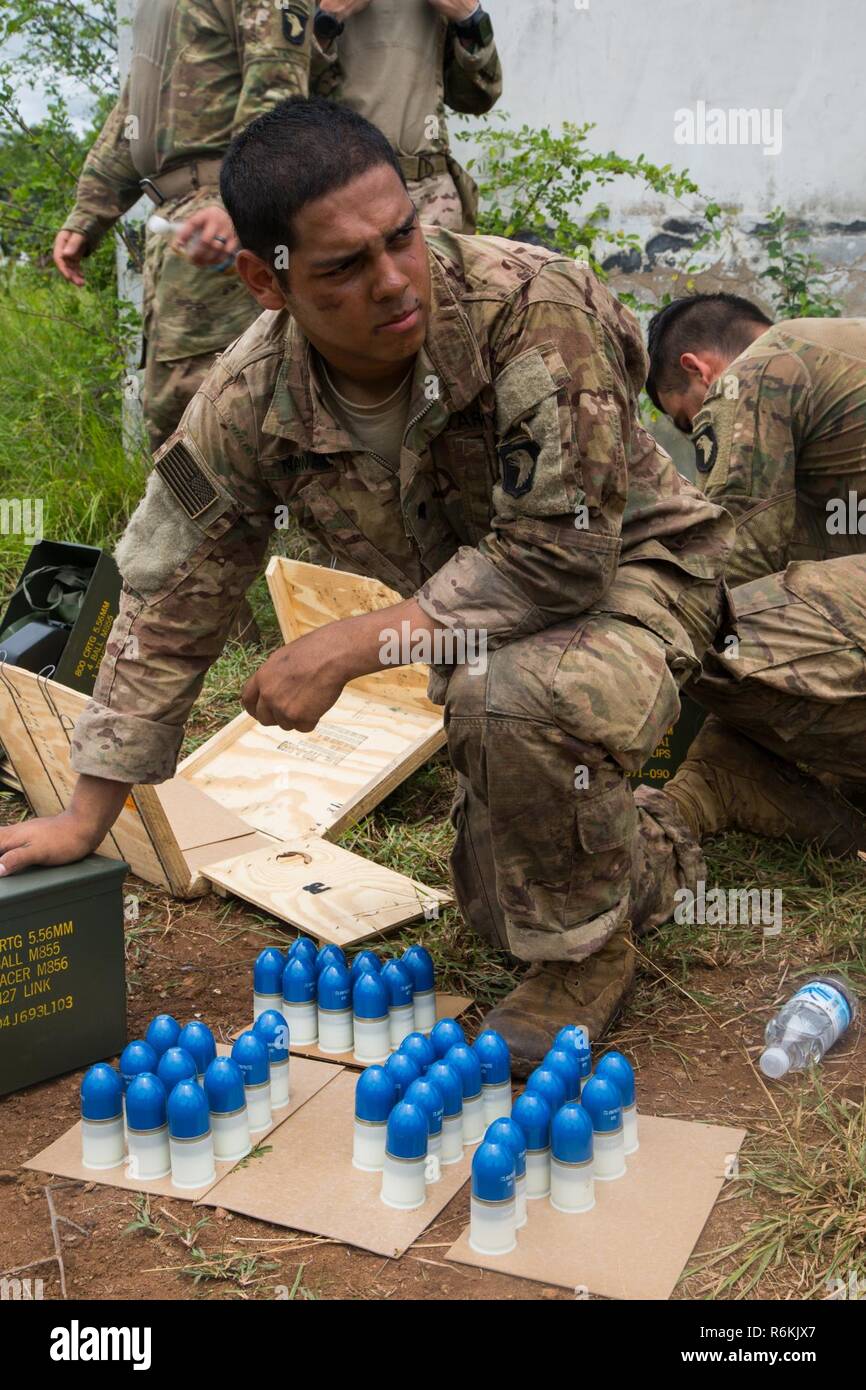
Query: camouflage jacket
{"x":781,"y":443}
{"x":219,"y":63}
{"x":527,"y":492}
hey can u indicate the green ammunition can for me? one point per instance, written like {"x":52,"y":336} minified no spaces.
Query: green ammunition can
{"x":62,"y":974}
{"x":672,"y":749}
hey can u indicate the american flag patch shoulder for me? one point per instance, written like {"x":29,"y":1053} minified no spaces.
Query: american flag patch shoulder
{"x":186,"y":479}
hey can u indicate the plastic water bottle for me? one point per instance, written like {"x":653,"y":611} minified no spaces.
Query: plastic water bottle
{"x":810,"y":1023}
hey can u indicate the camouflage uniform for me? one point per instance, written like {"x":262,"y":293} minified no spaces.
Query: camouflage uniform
{"x":399,"y":64}
{"x":781,"y":435}
{"x":593,"y":617}
{"x":201,"y":70}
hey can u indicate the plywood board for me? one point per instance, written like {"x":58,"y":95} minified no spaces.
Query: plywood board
{"x":37,"y":717}
{"x":286,"y":783}
{"x":63,"y":1157}
{"x":324,"y":890}
{"x":637,"y":1239}
{"x":307,"y":1181}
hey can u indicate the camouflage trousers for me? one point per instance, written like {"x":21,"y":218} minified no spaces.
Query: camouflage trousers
{"x":794,"y":683}
{"x":545,"y":816}
{"x":168,"y":389}
{"x":797,"y":681}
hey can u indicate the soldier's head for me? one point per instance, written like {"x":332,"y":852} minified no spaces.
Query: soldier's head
{"x":691,"y":342}
{"x":328,"y":230}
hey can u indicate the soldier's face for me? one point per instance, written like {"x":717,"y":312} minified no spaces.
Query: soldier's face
{"x":359,"y":278}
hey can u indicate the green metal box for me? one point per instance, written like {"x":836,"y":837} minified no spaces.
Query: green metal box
{"x":673,"y":748}
{"x":62,"y":975}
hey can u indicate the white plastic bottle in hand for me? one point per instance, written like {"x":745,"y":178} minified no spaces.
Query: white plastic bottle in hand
{"x":161,"y":226}
{"x":808,"y":1025}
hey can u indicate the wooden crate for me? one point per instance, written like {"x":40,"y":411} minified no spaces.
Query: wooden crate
{"x":252,"y":810}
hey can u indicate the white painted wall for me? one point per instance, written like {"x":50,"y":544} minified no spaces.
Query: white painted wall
{"x":630,"y":64}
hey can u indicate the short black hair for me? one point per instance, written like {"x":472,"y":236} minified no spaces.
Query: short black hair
{"x":722,"y":321}
{"x":298,"y":151}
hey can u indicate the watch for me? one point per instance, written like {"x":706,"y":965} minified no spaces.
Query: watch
{"x":326,"y":26}
{"x":478,"y":28}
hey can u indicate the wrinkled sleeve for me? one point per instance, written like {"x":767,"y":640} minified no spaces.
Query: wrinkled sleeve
{"x":747,"y":437}
{"x":564,"y":421}
{"x":195,"y":543}
{"x":275,"y":55}
{"x":473,"y":77}
{"x":109,"y":182}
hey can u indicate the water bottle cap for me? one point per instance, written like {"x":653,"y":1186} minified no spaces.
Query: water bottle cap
{"x":775,"y":1062}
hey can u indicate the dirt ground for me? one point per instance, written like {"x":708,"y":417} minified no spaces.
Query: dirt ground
{"x":692,"y":1062}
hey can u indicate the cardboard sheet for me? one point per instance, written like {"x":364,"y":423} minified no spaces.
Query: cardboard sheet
{"x":636,"y":1241}
{"x":63,"y":1157}
{"x":307,"y":1181}
{"x":447,"y":1006}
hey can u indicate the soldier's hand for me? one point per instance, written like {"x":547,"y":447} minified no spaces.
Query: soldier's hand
{"x":343,"y":9}
{"x":209,"y":236}
{"x":455,"y":10}
{"x":299,"y":683}
{"x":47,"y":840}
{"x":69,"y":248}
{"x":95,"y":805}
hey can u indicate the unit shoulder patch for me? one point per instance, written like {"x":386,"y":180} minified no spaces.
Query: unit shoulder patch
{"x":706,"y":445}
{"x":517,"y":459}
{"x":294,"y":23}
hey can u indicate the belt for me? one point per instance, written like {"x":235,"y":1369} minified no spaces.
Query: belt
{"x":422,"y":166}
{"x":199,"y":173}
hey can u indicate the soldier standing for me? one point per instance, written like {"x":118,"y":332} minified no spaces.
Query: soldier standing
{"x":200,"y":71}
{"x":400,"y":63}
{"x":455,"y":416}
{"x":777,"y":414}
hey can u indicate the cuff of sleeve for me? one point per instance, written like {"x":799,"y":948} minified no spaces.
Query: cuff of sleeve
{"x":87,"y":226}
{"x":473,"y":59}
{"x":124,"y":748}
{"x":470,"y":592}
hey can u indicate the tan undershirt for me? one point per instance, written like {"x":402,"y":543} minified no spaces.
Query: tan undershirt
{"x":378,"y":429}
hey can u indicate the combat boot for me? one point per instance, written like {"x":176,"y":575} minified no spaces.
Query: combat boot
{"x":727,"y":782}
{"x":555,"y":993}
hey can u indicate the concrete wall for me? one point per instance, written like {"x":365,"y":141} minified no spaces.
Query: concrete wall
{"x":632,"y":65}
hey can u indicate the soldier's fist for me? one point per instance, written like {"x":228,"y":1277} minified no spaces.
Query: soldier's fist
{"x":299,"y":683}
{"x":69,"y":247}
